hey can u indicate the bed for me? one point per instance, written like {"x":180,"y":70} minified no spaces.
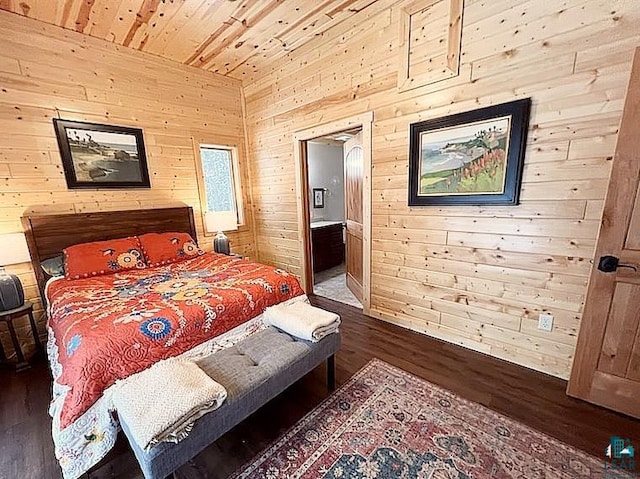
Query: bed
{"x":108,"y":327}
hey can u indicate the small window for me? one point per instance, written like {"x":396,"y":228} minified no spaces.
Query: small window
{"x":220,"y":188}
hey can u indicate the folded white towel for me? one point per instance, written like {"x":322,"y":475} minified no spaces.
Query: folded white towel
{"x":162,"y":402}
{"x":302,"y":320}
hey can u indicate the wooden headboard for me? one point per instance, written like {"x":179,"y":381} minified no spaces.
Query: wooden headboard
{"x":48,"y":235}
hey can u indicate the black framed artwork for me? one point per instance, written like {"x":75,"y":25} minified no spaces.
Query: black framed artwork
{"x":470,"y":158}
{"x":318,"y":197}
{"x":102,"y":156}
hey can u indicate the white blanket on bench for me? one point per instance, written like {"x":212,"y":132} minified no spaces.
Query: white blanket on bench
{"x":302,"y":320}
{"x":162,"y":402}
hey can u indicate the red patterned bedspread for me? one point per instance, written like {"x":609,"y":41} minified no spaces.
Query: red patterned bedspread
{"x":109,"y":327}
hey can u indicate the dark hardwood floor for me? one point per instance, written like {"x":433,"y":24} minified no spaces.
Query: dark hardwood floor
{"x":538,"y":400}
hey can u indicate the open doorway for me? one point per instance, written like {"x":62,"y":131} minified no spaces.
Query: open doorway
{"x":357,"y":219}
{"x":334,"y":176}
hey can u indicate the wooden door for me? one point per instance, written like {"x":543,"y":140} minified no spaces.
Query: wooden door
{"x":606,"y":368}
{"x":353,"y":174}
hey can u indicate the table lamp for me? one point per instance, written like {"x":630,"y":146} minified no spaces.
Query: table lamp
{"x":13,"y":250}
{"x":221,"y":221}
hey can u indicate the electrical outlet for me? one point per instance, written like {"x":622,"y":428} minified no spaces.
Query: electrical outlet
{"x":545,"y":322}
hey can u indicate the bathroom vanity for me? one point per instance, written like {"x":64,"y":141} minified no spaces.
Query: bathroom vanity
{"x":327,"y":244}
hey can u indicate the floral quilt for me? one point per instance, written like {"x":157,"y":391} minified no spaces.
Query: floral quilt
{"x":106,"y":328}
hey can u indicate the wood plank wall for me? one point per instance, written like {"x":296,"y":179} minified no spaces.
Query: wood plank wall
{"x":475,"y":276}
{"x":47,"y":72}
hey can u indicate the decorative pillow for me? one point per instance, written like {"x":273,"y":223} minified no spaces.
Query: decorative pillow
{"x":102,"y":257}
{"x":165,"y":248}
{"x":53,"y":266}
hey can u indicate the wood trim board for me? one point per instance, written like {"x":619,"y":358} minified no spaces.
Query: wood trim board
{"x":365,"y":121}
{"x":408,"y":80}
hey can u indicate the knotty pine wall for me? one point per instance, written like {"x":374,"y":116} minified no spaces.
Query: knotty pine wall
{"x":47,"y":72}
{"x":475,"y":276}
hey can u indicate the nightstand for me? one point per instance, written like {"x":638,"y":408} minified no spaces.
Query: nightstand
{"x":8,"y":317}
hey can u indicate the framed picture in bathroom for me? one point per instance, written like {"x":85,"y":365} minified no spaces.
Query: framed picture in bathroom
{"x":318,"y":197}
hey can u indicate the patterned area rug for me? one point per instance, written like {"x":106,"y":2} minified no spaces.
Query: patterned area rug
{"x":386,"y":423}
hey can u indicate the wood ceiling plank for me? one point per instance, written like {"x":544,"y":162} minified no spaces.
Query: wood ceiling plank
{"x":46,"y":11}
{"x":260,"y":41}
{"x":223,"y":34}
{"x":218,"y":35}
{"x":178,"y":26}
{"x":192,"y":28}
{"x":21,"y":8}
{"x":295,"y":36}
{"x":8,"y":5}
{"x":166,"y":12}
{"x":124,"y":20}
{"x":320,"y":14}
{"x":147,"y":11}
{"x":251,"y":18}
{"x":68,"y":14}
{"x":84,"y":14}
{"x":102,"y":18}
{"x":277,"y":42}
{"x":308,"y":54}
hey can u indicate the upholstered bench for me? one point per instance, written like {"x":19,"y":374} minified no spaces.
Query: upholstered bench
{"x":253,"y":371}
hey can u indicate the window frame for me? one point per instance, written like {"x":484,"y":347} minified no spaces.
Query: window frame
{"x":236,"y":179}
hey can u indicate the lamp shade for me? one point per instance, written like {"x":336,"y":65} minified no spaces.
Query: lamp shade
{"x":221,"y":221}
{"x":13,"y":249}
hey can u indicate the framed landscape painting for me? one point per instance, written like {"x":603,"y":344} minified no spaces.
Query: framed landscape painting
{"x":102,"y":156}
{"x":471,"y":158}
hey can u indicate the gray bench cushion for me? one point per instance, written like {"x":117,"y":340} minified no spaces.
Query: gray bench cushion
{"x":243,"y":367}
{"x":253,"y":371}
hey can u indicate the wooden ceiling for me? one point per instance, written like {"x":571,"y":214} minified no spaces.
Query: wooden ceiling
{"x":231,"y":37}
